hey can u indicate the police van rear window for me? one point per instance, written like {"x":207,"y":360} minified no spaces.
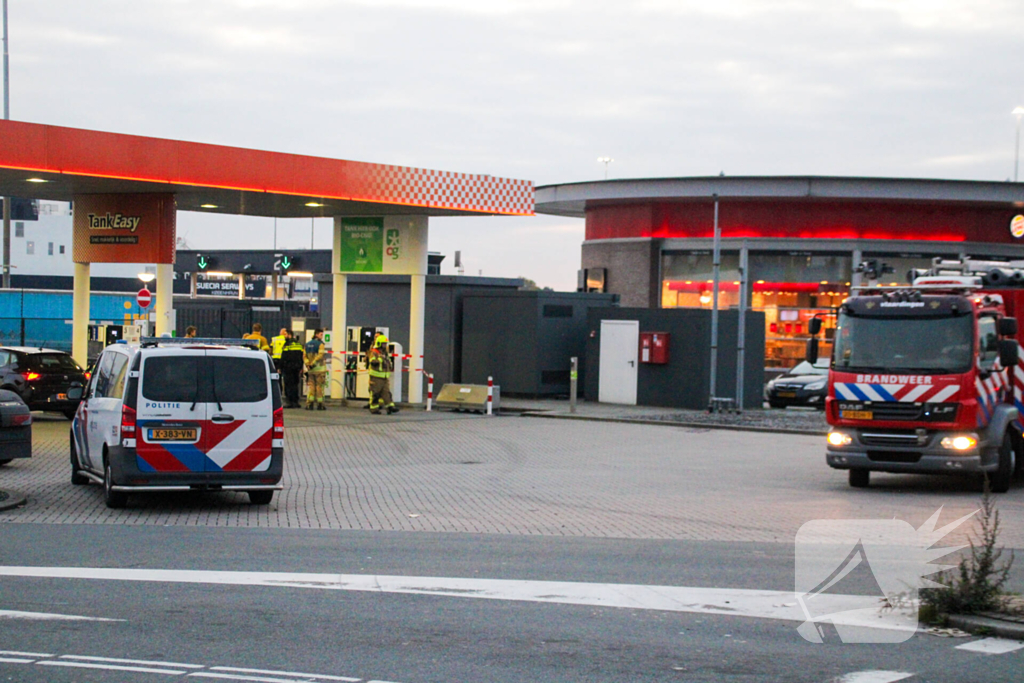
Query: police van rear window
{"x":239,"y":380}
{"x":171,"y":378}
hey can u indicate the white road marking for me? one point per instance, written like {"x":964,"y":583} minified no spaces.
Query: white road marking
{"x":857,"y":610}
{"x":240,"y":677}
{"x":992,"y":646}
{"x":873,"y":677}
{"x":170,"y":668}
{"x":43,"y":616}
{"x":284,"y":673}
{"x":110,"y":667}
{"x":112,"y":660}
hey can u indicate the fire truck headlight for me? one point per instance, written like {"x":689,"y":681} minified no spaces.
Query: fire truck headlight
{"x":960,"y":442}
{"x":839,"y":439}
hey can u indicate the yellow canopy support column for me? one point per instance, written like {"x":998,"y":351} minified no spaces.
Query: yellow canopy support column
{"x":164,"y":299}
{"x":80,"y":315}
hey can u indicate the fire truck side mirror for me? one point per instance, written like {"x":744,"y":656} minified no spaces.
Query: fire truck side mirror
{"x":1007,"y":327}
{"x":814,"y":326}
{"x":1008,"y":352}
{"x":812,"y":350}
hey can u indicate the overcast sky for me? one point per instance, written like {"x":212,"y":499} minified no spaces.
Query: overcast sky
{"x":536,"y":89}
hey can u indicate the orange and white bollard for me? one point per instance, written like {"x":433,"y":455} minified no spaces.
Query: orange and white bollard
{"x":490,"y":395}
{"x":430,"y":391}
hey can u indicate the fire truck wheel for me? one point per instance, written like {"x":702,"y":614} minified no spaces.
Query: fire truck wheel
{"x":860,"y":478}
{"x":999,"y":481}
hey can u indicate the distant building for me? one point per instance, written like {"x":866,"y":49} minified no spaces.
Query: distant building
{"x":793,"y":242}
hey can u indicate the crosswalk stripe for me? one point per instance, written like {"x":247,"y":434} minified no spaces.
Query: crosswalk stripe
{"x":992,"y":646}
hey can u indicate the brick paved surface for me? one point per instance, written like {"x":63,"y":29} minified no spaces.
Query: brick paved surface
{"x":520,"y":475}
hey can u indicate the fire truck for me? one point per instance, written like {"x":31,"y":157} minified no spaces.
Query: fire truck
{"x":926,"y":378}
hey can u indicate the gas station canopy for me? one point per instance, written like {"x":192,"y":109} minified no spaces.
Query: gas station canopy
{"x":51,"y":162}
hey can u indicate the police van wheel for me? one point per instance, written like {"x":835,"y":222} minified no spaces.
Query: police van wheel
{"x":77,"y":478}
{"x":113,"y":499}
{"x":261,"y":497}
{"x":999,"y":481}
{"x":860,"y":478}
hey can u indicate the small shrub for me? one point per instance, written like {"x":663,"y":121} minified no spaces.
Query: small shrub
{"x":976,"y":585}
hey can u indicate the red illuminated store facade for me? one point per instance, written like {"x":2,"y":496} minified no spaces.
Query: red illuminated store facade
{"x":799,"y":239}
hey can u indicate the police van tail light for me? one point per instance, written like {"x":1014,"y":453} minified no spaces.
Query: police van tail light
{"x":279,"y":423}
{"x":22,"y":420}
{"x":128,"y":422}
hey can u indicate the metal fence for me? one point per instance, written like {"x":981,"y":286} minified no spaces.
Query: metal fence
{"x":52,"y":333}
{"x":232,"y":323}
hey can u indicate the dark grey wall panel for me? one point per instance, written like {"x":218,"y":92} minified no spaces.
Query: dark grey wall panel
{"x":685,"y":381}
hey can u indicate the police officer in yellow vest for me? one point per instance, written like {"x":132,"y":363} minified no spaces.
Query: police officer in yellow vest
{"x":380,"y":366}
{"x":277,"y":344}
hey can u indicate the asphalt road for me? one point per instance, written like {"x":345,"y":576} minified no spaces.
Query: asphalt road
{"x":190,"y":594}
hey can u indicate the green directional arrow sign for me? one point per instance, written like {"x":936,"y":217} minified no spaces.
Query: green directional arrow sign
{"x":286,"y":263}
{"x":202,"y":263}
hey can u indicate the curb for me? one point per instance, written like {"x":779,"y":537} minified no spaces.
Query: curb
{"x":987,"y":626}
{"x":11,"y":500}
{"x":670,"y":423}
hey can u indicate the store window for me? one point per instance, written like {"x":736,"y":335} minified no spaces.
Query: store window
{"x":687,"y":279}
{"x":19,"y":229}
{"x":792,"y":288}
{"x":30,"y":247}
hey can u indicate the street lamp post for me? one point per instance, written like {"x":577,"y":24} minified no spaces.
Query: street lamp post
{"x":1018,"y":112}
{"x":7,"y":200}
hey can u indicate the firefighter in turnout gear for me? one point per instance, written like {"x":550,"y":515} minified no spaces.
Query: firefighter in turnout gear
{"x":316,"y":372}
{"x":380,"y":366}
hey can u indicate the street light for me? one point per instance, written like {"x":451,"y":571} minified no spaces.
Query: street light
{"x":1018,"y":112}
{"x":147,"y":277}
{"x":605,"y":161}
{"x":6,"y":276}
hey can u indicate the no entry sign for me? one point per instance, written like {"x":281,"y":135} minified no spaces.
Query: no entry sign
{"x":144,"y":298}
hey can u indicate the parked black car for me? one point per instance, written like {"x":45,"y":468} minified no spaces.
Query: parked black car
{"x":43,"y":378}
{"x":804,"y":385}
{"x":15,"y":428}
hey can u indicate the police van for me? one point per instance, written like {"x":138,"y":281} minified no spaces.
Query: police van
{"x":180,"y":415}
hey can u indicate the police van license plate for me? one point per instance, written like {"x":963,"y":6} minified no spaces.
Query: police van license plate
{"x":856,"y":414}
{"x":172,"y":435}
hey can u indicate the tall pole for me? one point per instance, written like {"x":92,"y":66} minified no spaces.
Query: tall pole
{"x":741,"y":328}
{"x":715,"y":263}
{"x":1017,"y":151}
{"x":6,"y":116}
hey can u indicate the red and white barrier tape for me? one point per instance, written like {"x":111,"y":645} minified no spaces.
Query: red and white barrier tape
{"x":490,"y":395}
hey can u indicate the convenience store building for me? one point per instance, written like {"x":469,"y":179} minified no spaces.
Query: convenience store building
{"x":793,"y":242}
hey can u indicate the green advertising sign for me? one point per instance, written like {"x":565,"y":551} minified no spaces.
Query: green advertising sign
{"x":362,"y":245}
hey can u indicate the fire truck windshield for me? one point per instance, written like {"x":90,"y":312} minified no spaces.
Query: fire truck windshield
{"x":925,"y":345}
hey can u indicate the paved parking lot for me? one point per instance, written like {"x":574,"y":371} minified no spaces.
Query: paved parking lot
{"x":520,"y":475}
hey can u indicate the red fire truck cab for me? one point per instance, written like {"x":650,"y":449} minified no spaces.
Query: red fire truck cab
{"x":927,"y":378}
